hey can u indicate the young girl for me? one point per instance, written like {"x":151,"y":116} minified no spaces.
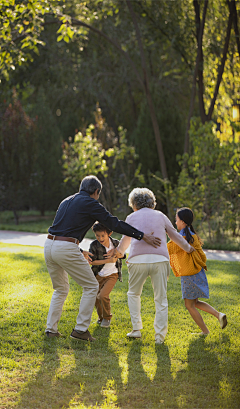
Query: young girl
{"x":191,"y":269}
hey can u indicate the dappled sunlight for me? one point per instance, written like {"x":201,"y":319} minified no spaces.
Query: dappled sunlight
{"x":110,"y":395}
{"x":22,"y":292}
{"x":178,"y":355}
{"x":115,"y":371}
{"x":20,"y":249}
{"x":229,"y":278}
{"x":182,"y":401}
{"x":149,"y":360}
{"x":123,"y":363}
{"x":121,"y":349}
{"x":74,"y":402}
{"x":177,"y":366}
{"x":225,"y":391}
{"x":108,"y":392}
{"x":16,"y":381}
{"x":67,"y":364}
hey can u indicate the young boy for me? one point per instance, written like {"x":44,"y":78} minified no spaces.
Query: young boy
{"x":106,"y":270}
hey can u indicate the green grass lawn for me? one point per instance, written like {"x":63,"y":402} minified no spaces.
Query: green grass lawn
{"x":30,"y":221}
{"x":187,"y":371}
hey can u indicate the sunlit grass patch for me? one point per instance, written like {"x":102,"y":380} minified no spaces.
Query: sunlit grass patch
{"x":114,"y":372}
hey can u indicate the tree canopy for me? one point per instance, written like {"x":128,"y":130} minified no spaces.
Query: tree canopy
{"x":151,"y":66}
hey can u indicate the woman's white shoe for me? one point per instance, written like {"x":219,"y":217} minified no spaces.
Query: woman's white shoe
{"x":158,"y":340}
{"x":134,"y":334}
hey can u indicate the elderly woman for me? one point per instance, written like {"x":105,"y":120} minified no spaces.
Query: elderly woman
{"x":145,"y":260}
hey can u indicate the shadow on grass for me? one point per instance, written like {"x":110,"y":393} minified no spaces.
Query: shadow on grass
{"x":49,"y":387}
{"x":190,"y":388}
{"x":141,"y":391}
{"x":78,"y":373}
{"x":81,"y":379}
{"x":35,"y":259}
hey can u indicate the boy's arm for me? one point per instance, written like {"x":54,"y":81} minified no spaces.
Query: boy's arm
{"x":93,"y":251}
{"x":99,"y":262}
{"x":105,"y":261}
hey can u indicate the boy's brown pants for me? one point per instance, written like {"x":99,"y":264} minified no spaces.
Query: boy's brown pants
{"x":102,"y":303}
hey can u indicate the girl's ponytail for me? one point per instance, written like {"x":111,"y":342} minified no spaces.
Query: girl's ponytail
{"x":186,"y":215}
{"x":188,"y":235}
{"x":192,"y":229}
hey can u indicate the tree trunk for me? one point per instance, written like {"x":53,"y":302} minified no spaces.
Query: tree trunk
{"x":200,"y":29}
{"x":232,"y":7}
{"x":149,"y":96}
{"x":221,"y":66}
{"x":16,"y":216}
{"x":199,"y":36}
{"x":134,"y":108}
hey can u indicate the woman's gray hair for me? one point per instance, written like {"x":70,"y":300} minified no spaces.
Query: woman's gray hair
{"x":90,"y":183}
{"x":142,"y":197}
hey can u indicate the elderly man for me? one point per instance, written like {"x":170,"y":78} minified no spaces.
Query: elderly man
{"x":75,"y":216}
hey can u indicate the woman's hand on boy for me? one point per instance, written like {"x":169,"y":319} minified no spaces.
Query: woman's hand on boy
{"x":112,"y":259}
{"x":109,"y":254}
{"x":118,"y":254}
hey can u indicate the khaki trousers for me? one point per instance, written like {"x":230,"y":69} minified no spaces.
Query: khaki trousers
{"x":102,"y":304}
{"x":159,"y":273}
{"x":63,"y":258}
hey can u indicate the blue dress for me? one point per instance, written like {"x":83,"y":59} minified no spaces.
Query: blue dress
{"x":195,"y":286}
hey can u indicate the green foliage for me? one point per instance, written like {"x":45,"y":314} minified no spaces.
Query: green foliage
{"x":18,"y":154}
{"x":186,"y":371}
{"x":75,"y":67}
{"x":46,"y":183}
{"x":20,"y":26}
{"x":210,"y":182}
{"x":83,"y":156}
{"x":97,"y":150}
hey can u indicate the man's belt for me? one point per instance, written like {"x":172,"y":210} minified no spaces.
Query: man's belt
{"x":62,"y":238}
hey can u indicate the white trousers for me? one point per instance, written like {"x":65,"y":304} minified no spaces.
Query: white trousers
{"x":63,"y":258}
{"x":159,"y":273}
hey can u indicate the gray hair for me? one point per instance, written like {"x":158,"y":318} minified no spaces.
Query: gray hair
{"x":142,"y":197}
{"x":90,"y":183}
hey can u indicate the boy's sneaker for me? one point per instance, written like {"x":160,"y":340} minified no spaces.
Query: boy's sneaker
{"x":99,"y":321}
{"x":82,"y":336}
{"x":105,"y":323}
{"x":222,"y":318}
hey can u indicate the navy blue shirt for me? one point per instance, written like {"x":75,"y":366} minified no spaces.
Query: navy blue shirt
{"x":76,"y":215}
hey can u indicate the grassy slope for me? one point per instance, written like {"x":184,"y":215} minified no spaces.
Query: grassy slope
{"x":187,"y":371}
